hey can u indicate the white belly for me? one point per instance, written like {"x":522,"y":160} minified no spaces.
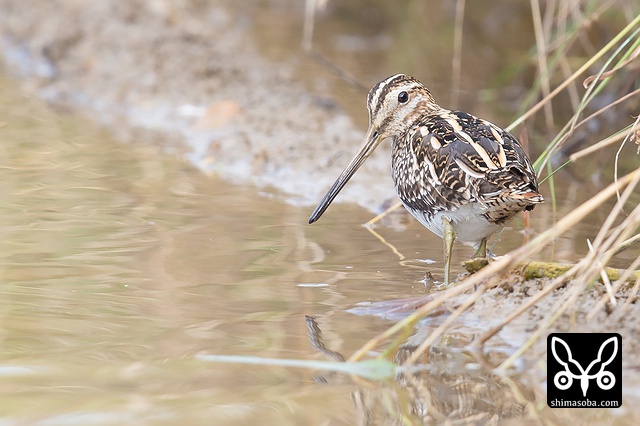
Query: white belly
{"x":468,"y":223}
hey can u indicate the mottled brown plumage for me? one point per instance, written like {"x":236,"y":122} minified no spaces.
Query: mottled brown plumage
{"x":460,"y":176}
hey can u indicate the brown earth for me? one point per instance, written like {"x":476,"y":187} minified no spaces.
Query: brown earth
{"x":185,"y":72}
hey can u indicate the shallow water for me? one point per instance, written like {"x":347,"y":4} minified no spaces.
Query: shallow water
{"x":121,"y":264}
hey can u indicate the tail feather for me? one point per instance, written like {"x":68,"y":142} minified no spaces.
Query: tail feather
{"x":502,"y":209}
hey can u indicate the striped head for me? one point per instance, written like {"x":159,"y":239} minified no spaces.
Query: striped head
{"x":395,"y":103}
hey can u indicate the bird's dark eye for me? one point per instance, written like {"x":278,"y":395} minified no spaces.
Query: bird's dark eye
{"x":403,"y":97}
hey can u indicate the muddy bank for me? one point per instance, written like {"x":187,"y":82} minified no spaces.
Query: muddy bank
{"x":186,"y":73}
{"x":194,"y":76}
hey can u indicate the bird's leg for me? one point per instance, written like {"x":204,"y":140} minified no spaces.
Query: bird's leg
{"x":481,"y":250}
{"x":447,"y":236}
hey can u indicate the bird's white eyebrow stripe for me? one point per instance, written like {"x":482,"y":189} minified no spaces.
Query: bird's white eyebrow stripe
{"x":382,"y":87}
{"x":386,"y":86}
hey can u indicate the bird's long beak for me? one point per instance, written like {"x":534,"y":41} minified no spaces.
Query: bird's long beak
{"x":371,"y":142}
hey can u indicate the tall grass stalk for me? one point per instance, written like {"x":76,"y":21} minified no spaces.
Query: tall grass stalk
{"x":492,"y":275}
{"x":617,"y":231}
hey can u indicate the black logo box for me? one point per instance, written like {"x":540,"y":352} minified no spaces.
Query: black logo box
{"x":584,"y":370}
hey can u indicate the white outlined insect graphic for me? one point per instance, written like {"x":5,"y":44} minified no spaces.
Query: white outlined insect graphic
{"x":564,"y":379}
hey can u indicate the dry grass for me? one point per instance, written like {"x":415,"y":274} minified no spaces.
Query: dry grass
{"x":556,"y":30}
{"x":559,"y":26}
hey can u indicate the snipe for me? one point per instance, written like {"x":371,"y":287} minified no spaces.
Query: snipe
{"x":461,"y":176}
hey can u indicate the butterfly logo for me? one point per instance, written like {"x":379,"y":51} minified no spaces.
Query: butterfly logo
{"x":564,"y":379}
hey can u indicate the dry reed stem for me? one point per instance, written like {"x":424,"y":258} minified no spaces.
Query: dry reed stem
{"x":605,"y":108}
{"x":635,"y":133}
{"x":600,"y":145}
{"x":369,"y":226}
{"x":524,"y":308}
{"x":384,"y":241}
{"x":627,"y":226}
{"x":492,"y":270}
{"x":541,"y":56}
{"x":603,"y":275}
{"x":607,"y":243}
{"x":617,"y":209}
{"x":623,"y":279}
{"x":426,"y":343}
{"x":456,"y":60}
{"x":591,"y":270}
{"x":587,"y":82}
{"x":575,"y":75}
{"x":632,"y":296}
{"x":592,"y":90}
{"x":628,"y":243}
{"x":382,"y":215}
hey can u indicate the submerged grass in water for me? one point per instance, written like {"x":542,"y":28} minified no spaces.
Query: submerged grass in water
{"x":372,"y":369}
